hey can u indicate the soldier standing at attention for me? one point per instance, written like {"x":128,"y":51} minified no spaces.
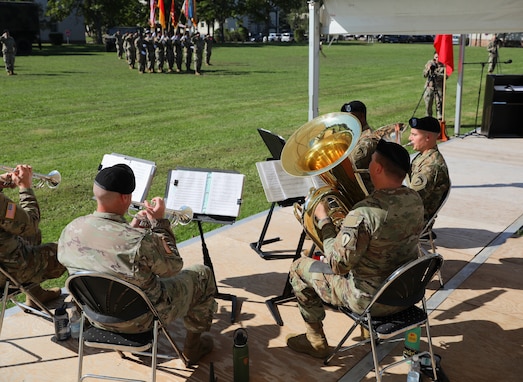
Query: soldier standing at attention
{"x":119,"y":44}
{"x":187,"y":50}
{"x":493,"y":53}
{"x":178,"y":51}
{"x":130,"y":49}
{"x":209,"y":41}
{"x":377,"y":236}
{"x":141,"y":52}
{"x":199,"y":46}
{"x":8,"y":52}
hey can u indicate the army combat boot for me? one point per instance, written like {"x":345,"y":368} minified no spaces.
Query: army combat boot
{"x":42,"y":295}
{"x":312,"y":343}
{"x":196,"y":346}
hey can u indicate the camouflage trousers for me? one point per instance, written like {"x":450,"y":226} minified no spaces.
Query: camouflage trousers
{"x":190,"y":294}
{"x":32,"y":264}
{"x":9,"y":59}
{"x":430,"y":96}
{"x":313,"y":289}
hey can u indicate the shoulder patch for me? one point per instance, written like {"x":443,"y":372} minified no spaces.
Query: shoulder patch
{"x":10,"y":212}
{"x":352,"y":221}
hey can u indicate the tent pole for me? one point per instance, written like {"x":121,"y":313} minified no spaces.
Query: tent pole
{"x":314,"y":61}
{"x":459,"y":87}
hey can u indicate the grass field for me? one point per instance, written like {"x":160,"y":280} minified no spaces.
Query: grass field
{"x":69,"y":105}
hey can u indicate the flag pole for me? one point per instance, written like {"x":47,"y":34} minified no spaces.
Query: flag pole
{"x":443,"y":134}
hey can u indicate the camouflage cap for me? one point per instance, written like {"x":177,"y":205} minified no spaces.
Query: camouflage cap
{"x":426,"y":123}
{"x":118,"y":178}
{"x":395,"y":153}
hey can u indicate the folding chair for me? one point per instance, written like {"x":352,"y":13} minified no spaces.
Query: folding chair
{"x":12,"y":289}
{"x":405,"y":288}
{"x":106,"y":299}
{"x":427,"y":237}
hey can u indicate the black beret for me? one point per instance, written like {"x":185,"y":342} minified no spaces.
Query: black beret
{"x":118,"y":178}
{"x":354,"y":107}
{"x":395,"y":153}
{"x":426,"y":123}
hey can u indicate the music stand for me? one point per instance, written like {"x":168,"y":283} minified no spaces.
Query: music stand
{"x":143,"y":170}
{"x":275,"y":144}
{"x":214,"y":196}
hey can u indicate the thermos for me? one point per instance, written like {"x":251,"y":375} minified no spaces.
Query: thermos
{"x":62,"y":329}
{"x":240,"y":354}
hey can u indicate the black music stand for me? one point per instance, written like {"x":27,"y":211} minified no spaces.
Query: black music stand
{"x":215,"y":196}
{"x":275,"y":144}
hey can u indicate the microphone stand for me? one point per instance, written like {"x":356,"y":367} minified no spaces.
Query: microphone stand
{"x":474,"y":132}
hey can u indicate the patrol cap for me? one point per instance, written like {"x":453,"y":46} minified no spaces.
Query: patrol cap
{"x":395,"y":153}
{"x":118,"y":178}
{"x":426,"y":123}
{"x":354,"y":107}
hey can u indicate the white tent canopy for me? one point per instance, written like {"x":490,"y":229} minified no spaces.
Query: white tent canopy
{"x":407,"y":17}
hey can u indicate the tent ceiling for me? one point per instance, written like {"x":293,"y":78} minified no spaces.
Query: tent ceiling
{"x":421,"y":16}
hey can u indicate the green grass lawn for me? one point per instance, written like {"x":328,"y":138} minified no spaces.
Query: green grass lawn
{"x":69,"y":105}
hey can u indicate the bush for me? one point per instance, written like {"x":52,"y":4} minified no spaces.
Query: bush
{"x":56,"y":38}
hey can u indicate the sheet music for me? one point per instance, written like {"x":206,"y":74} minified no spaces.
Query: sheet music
{"x":279,"y":186}
{"x":143,"y":172}
{"x":206,"y":192}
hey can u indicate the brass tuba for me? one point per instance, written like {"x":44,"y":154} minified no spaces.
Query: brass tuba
{"x":321,"y":148}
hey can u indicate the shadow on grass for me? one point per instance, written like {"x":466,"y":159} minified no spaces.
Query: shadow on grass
{"x":67,"y":49}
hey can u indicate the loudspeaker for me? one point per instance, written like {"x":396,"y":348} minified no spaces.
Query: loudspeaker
{"x":503,"y":106}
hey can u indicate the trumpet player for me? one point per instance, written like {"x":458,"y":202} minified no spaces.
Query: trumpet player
{"x":377,"y":236}
{"x":22,"y":253}
{"x":147,"y":257}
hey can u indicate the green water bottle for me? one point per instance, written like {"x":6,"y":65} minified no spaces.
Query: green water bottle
{"x":240,"y":354}
{"x":412,"y":342}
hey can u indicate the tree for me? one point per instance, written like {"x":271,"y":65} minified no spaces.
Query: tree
{"x":100,"y":14}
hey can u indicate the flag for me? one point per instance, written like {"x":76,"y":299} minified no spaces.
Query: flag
{"x":152,"y":14}
{"x":444,"y":48}
{"x":161,"y":7}
{"x":189,"y":10}
{"x":174,"y":16}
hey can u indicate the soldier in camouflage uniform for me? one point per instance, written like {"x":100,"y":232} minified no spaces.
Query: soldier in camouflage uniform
{"x":361,"y":155}
{"x":429,"y":175}
{"x":377,"y":236}
{"x":130,"y":49}
{"x":8,"y":52}
{"x":21,"y":253}
{"x":434,"y":72}
{"x":178,"y":51}
{"x":199,"y":46}
{"x":187,"y":50}
{"x":144,"y":253}
{"x":141,"y":52}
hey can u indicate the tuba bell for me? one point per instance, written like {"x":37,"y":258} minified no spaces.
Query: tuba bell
{"x":321,"y":148}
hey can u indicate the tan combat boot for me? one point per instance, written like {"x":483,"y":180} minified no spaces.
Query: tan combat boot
{"x":42,"y":295}
{"x":312,"y":343}
{"x":196,"y":346}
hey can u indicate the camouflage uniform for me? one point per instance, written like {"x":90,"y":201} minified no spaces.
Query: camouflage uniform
{"x":119,"y":44}
{"x":8,"y":52}
{"x":362,"y":154}
{"x":199,"y":46}
{"x":130,"y":49}
{"x":187,"y":50}
{"x":141,"y":53}
{"x":209,"y":41}
{"x":178,"y":52}
{"x":430,"y":177}
{"x":159,"y":51}
{"x":434,"y":72}
{"x":21,"y":251}
{"x":377,"y":236}
{"x":148,"y":258}
{"x":493,"y":53}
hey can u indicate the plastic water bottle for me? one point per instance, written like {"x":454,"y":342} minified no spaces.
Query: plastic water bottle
{"x":75,"y":322}
{"x":414,"y":373}
{"x":240,"y":354}
{"x":61,"y":324}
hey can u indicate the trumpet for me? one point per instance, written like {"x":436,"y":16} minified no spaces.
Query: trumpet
{"x":183,"y":216}
{"x":51,"y":180}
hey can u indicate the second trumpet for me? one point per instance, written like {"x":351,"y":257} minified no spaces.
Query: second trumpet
{"x":183,"y":216}
{"x":51,"y":180}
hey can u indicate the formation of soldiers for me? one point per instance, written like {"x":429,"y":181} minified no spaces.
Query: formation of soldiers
{"x":164,"y":52}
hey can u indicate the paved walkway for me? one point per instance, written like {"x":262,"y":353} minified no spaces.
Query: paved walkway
{"x":477,"y":318}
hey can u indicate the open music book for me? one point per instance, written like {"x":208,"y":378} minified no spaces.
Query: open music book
{"x":279,"y":186}
{"x":207,"y":192}
{"x":143,"y":172}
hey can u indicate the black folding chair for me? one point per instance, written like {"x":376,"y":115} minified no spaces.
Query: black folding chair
{"x":405,"y":288}
{"x":12,"y":289}
{"x":105,"y":299}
